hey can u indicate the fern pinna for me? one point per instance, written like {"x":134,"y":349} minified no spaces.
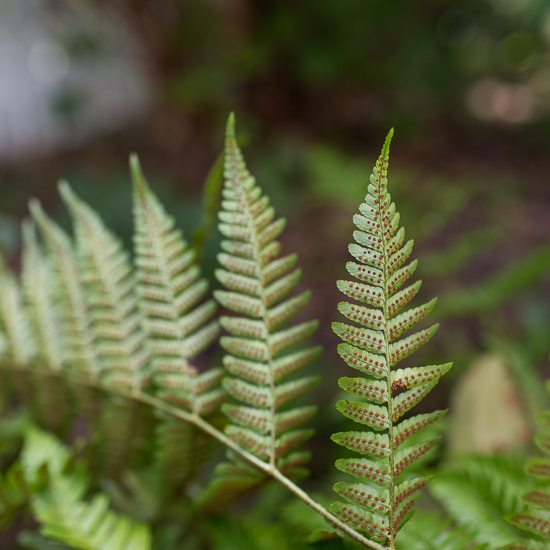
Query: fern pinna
{"x":257,"y":283}
{"x":535,"y":520}
{"x":380,"y":503}
{"x":170,"y":287}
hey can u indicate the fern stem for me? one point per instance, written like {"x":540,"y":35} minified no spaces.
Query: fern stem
{"x":265,"y":467}
{"x":393,"y":530}
{"x":202,"y":424}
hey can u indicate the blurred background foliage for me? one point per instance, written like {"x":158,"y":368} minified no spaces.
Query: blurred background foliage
{"x":315,"y":86}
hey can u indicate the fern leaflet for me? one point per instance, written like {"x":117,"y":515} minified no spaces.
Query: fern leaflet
{"x":258,"y":364}
{"x":536,"y":519}
{"x":79,"y":339}
{"x":59,"y":503}
{"x":170,"y":288}
{"x":109,"y":284}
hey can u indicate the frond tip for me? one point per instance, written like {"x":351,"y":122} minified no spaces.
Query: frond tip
{"x":381,"y":503}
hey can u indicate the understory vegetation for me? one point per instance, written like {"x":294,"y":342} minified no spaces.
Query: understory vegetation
{"x":145,"y":408}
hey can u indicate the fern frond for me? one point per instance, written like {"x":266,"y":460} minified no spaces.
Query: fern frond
{"x":380,"y":505}
{"x":126,"y":428}
{"x":171,"y":291}
{"x":433,"y":532}
{"x":535,"y":520}
{"x":20,"y":345}
{"x":14,"y":494}
{"x":232,"y":480}
{"x":59,"y":502}
{"x":38,"y":286}
{"x":78,"y":336}
{"x":257,"y":285}
{"x":478,"y":490}
{"x":181,"y":450}
{"x":110,"y":288}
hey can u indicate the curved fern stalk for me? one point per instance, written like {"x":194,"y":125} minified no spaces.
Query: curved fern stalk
{"x":109,"y":285}
{"x":380,"y":503}
{"x":78,"y":336}
{"x":170,"y":288}
{"x":535,"y":520}
{"x":257,"y":363}
{"x":38,"y":285}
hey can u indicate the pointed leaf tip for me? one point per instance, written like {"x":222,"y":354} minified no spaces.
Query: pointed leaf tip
{"x":35,"y":207}
{"x":64,"y":188}
{"x":386,"y":148}
{"x":230,"y":126}
{"x":135,"y":169}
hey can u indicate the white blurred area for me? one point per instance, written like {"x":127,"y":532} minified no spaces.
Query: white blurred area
{"x":54,"y":94}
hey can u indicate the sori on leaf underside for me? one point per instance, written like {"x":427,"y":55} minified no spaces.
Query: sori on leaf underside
{"x":88,"y":314}
{"x":379,"y":500}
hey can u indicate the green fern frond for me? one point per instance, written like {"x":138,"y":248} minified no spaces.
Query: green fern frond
{"x":430,"y":531}
{"x":182,"y":449}
{"x":20,"y":346}
{"x":109,"y":284}
{"x":478,"y":490}
{"x":78,"y":335}
{"x":14,"y":321}
{"x":381,"y":503}
{"x":14,"y":494}
{"x":257,"y":285}
{"x":38,"y":286}
{"x":232,"y":480}
{"x":535,"y":520}
{"x":60,"y":506}
{"x":126,"y":428}
{"x":171,"y":291}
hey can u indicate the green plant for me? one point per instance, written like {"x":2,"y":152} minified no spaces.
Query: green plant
{"x":91,"y":332}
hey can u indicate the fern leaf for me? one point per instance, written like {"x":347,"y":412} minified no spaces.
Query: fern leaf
{"x":170,"y":287}
{"x":373,"y":345}
{"x":39,"y":290}
{"x":109,"y":286}
{"x":259,"y":353}
{"x":232,"y":481}
{"x":78,"y":336}
{"x":535,"y":520}
{"x":60,"y":505}
{"x":257,"y":282}
{"x":429,"y":531}
{"x":15,"y":495}
{"x":125,"y":427}
{"x":478,"y":491}
{"x":20,"y":343}
{"x":20,"y":347}
{"x":39,"y":284}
